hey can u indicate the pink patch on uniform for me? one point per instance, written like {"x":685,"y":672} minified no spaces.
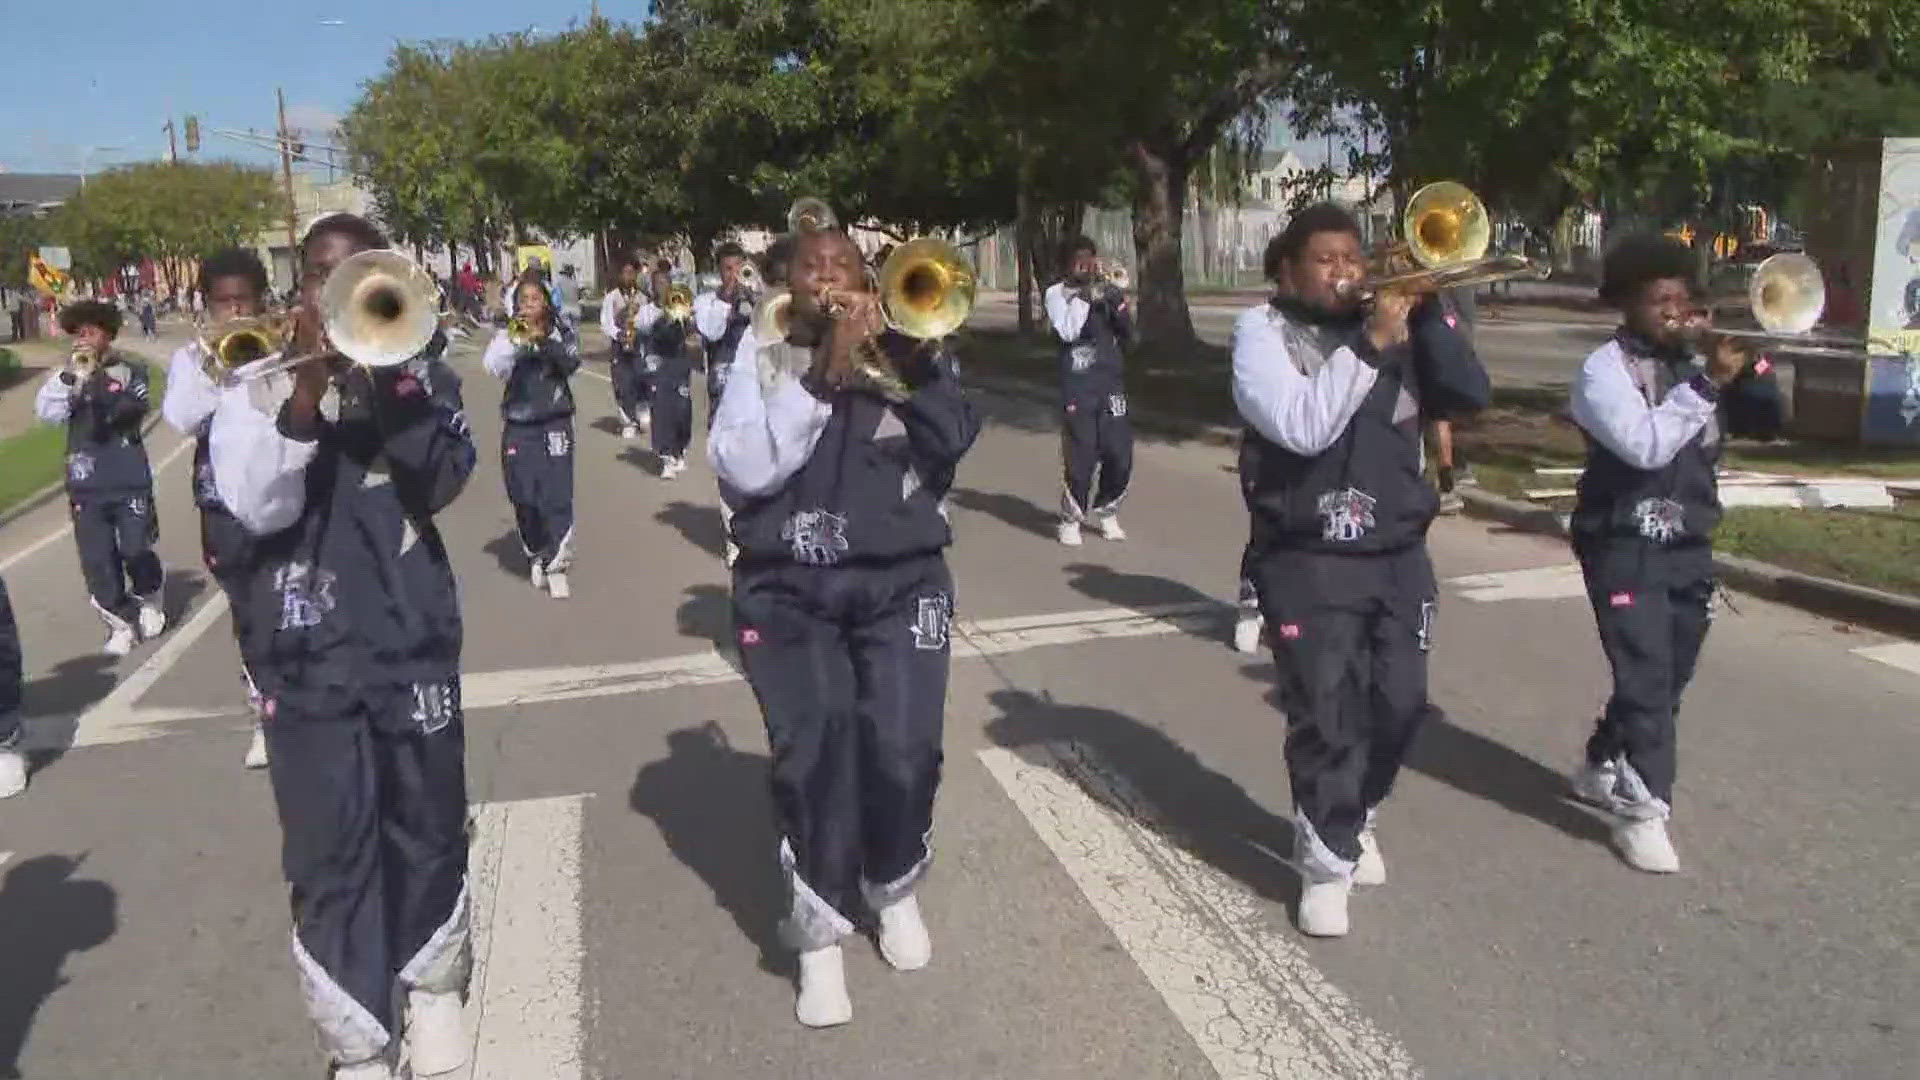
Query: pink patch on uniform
{"x":1290,"y":631}
{"x":406,"y":386}
{"x":1452,"y":320}
{"x":1071,"y":407}
{"x":1762,"y":366}
{"x":749,"y":636}
{"x":268,"y":706}
{"x":512,"y":450}
{"x":113,"y":387}
{"x":1621,"y":599}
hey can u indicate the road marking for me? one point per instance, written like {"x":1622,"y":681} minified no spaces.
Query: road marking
{"x":1904,"y":655}
{"x":1554,"y":582}
{"x":4,"y":856}
{"x":34,"y":548}
{"x":1247,"y":994}
{"x":524,"y":1008}
{"x":114,"y":720}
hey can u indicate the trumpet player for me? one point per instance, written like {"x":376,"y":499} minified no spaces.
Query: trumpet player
{"x":536,"y":354}
{"x":235,"y":285}
{"x":354,"y":637}
{"x":722,"y":316}
{"x":1332,"y":393}
{"x":1643,"y":526}
{"x":664,"y":327}
{"x":1092,"y":322}
{"x":843,"y":601}
{"x":620,"y":314}
{"x":102,"y":397}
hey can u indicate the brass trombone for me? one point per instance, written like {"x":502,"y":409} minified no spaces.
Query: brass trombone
{"x":810,"y":215}
{"x":235,"y":343}
{"x":678,"y":303}
{"x":377,"y":309}
{"x":1788,"y":294}
{"x":1446,"y":234}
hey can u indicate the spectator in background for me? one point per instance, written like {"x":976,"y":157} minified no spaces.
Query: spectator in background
{"x":149,"y":322}
{"x":568,"y":290}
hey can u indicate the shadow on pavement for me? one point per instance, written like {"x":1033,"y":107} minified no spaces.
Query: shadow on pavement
{"x":45,"y":914}
{"x":1205,"y":812}
{"x":506,"y":551}
{"x":645,"y":460}
{"x":1020,"y":513}
{"x":707,"y":613}
{"x":1473,"y":764}
{"x":177,"y":594}
{"x":74,"y":685}
{"x":700,"y":525}
{"x":1144,"y":591}
{"x":715,"y":812}
{"x":609,"y":424}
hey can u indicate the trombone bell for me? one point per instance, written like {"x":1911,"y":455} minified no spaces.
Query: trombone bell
{"x":379,"y":309}
{"x":810,"y":215}
{"x":238,"y":342}
{"x":1787,"y":293}
{"x":679,"y":303}
{"x":772,"y":316}
{"x":926,"y":288}
{"x":1445,"y":222}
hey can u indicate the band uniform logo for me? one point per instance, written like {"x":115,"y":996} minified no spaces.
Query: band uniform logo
{"x":1345,"y":515}
{"x":204,"y":485}
{"x":1660,"y":520}
{"x":1424,"y":634}
{"x":1117,"y":405}
{"x":306,"y":596}
{"x":818,"y":537}
{"x":557,"y":444}
{"x":435,"y":705}
{"x":933,"y":623}
{"x":1081,"y":358}
{"x":80,"y":467}
{"x":137,"y":506}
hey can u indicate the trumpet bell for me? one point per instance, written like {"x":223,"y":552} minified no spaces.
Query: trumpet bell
{"x":771,"y":318}
{"x":926,"y":288}
{"x":1788,"y":293}
{"x":810,"y":215}
{"x":678,"y":303}
{"x":379,"y":308}
{"x":1444,"y":223}
{"x":749,"y":277}
{"x":238,"y":342}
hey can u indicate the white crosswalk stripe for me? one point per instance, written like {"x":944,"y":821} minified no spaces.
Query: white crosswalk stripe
{"x":1556,"y":582}
{"x":1904,"y":655}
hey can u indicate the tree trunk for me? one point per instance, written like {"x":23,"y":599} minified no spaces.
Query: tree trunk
{"x":1160,"y":194}
{"x":702,"y":238}
{"x":1023,"y":253}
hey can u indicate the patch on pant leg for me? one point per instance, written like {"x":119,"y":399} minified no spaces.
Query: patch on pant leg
{"x":1289,"y":631}
{"x":1117,"y":405}
{"x":932,"y":622}
{"x":558,"y":444}
{"x":1620,"y":600}
{"x":435,"y":704}
{"x":79,"y":467}
{"x":1424,"y":634}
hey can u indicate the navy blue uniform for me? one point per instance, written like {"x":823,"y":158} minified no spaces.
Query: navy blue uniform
{"x":670,"y":378}
{"x":843,"y":604}
{"x":10,"y":672}
{"x":536,"y":442}
{"x":354,"y":637}
{"x":1097,"y":435}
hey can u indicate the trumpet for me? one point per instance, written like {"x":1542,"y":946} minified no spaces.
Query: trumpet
{"x":520,"y":332}
{"x":377,"y":309}
{"x":749,"y":278}
{"x":83,"y":363}
{"x":235,"y":343}
{"x":1447,"y":233}
{"x":1107,"y":275}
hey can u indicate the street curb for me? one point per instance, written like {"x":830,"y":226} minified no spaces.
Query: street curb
{"x":1889,"y":612}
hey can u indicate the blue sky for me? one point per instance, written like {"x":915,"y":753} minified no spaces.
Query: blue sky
{"x":101,"y":73}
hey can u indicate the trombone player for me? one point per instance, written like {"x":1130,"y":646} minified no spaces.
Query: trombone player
{"x":842,"y":597}
{"x":1332,"y":390}
{"x":353,"y":635}
{"x":536,"y":354}
{"x":237,"y":341}
{"x":102,"y":398}
{"x":620,"y":313}
{"x":1092,"y":324}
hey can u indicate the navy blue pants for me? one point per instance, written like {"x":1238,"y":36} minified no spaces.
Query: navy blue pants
{"x":631,"y":387}
{"x":672,"y":409}
{"x":10,"y":671}
{"x":849,"y":664}
{"x":1096,"y":437}
{"x":537,"y":460}
{"x":116,"y":537}
{"x":717,"y":373}
{"x":373,"y":815}
{"x":1350,"y":635}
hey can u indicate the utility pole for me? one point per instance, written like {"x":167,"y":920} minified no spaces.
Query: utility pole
{"x":173,"y":152}
{"x":286,"y":179}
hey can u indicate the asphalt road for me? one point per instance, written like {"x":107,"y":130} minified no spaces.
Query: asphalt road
{"x":1110,"y":896}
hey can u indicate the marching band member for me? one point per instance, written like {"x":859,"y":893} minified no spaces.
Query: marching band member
{"x":722,"y":317}
{"x":842,"y":603}
{"x":354,"y":638}
{"x":235,"y":285}
{"x":1330,"y":464}
{"x":102,"y":397}
{"x":669,"y":363}
{"x":536,"y":359}
{"x":1643,"y":530}
{"x":1092,"y":321}
{"x":13,"y":759}
{"x":617,"y":309}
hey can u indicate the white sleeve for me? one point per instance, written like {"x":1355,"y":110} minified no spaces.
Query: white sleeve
{"x":498,"y":359}
{"x":1608,"y":406}
{"x":649,"y":314}
{"x":191,"y":393}
{"x":710,"y":316}
{"x":1304,"y":413}
{"x":1068,"y":315}
{"x":53,"y":402}
{"x":761,"y":438}
{"x":609,"y":318}
{"x":259,"y":473}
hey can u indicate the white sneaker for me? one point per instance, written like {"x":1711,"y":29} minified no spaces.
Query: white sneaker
{"x":538,"y":574}
{"x":257,"y":748}
{"x":1594,"y":784}
{"x":436,"y":1032}
{"x":1069,"y":533}
{"x":1246,"y":634}
{"x":1323,"y":907}
{"x":121,"y":641}
{"x":823,"y":1000}
{"x":153,"y":620}
{"x":903,"y":936}
{"x":731,"y":554}
{"x":1110,"y":527}
{"x":1646,"y":846}
{"x":13,"y":773}
{"x":644,"y":422}
{"x":630,"y":432}
{"x":557,"y":585}
{"x":672,"y":467}
{"x":367,"y":1070}
{"x":1372,"y":868}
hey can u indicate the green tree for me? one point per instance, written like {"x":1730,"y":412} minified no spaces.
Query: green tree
{"x":171,"y":212}
{"x":20,"y":236}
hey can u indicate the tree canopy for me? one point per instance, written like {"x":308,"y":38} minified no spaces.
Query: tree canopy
{"x":169,"y":212}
